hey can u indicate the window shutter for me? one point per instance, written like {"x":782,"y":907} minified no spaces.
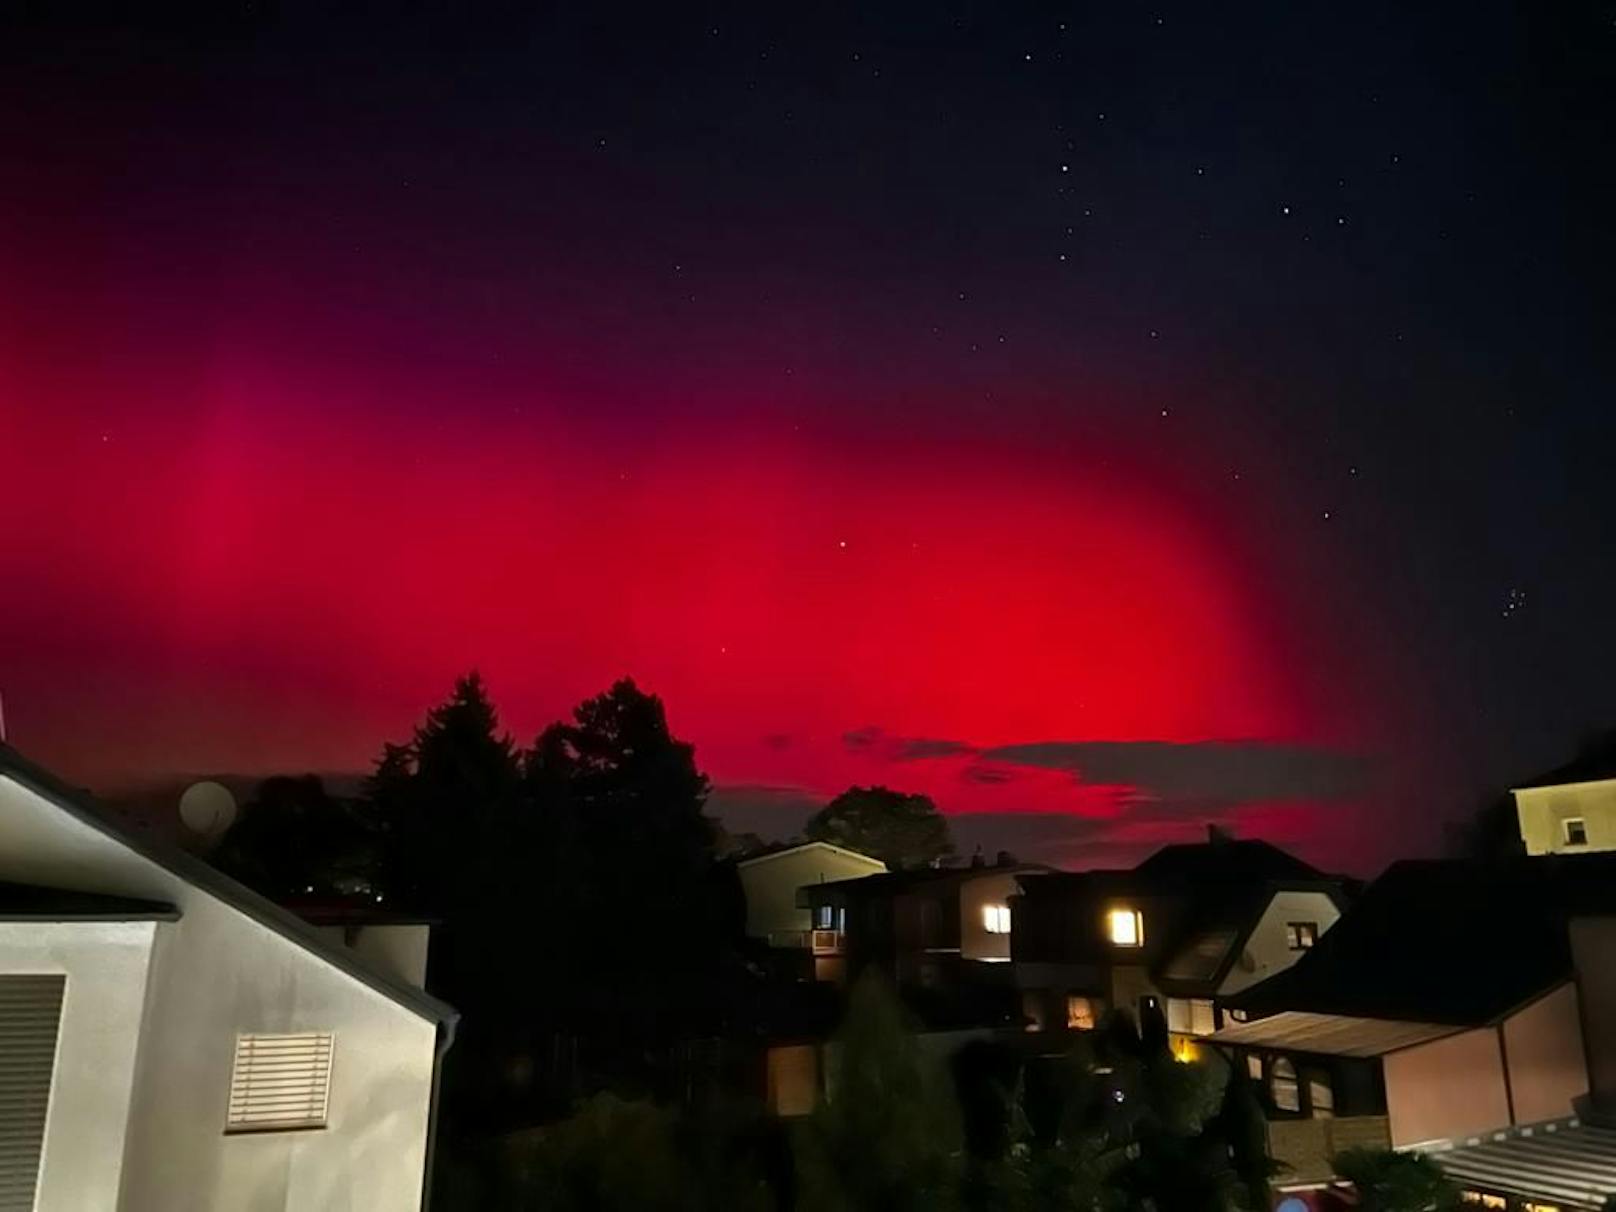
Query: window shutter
{"x":30,"y":1013}
{"x":280,"y":1082}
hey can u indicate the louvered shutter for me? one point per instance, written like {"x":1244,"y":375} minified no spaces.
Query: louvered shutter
{"x":280,"y":1082}
{"x":30,"y":1013}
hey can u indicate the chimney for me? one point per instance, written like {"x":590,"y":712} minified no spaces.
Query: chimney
{"x":976,"y":858}
{"x":1216,"y":835}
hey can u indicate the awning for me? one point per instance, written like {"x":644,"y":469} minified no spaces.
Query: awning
{"x":1331,"y":1034}
{"x":1567,"y":1163}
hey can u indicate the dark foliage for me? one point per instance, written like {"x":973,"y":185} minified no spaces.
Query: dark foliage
{"x":900,"y":829}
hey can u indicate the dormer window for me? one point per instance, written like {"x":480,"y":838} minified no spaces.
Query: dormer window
{"x":996,"y":919}
{"x":1576,"y":831}
{"x":1125,"y":927}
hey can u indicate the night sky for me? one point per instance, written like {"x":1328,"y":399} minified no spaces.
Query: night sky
{"x":1120,"y":416}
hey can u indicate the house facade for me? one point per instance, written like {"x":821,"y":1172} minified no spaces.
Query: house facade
{"x":186,"y":1045}
{"x":929,"y":929}
{"x":776,"y":910}
{"x":1188,"y":926}
{"x":1572,"y":809}
{"x":1444,"y":1009}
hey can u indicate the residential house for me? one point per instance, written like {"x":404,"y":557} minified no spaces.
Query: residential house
{"x":772,"y":883}
{"x":1571,"y":810}
{"x":176,"y":1043}
{"x":1443,"y":1007}
{"x":1187,"y":926}
{"x":934,"y":928}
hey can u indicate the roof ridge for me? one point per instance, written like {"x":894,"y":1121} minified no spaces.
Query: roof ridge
{"x":81,"y":805}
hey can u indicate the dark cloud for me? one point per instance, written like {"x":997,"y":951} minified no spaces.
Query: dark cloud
{"x":871,"y":739}
{"x":916,"y":748}
{"x":862,"y":740}
{"x":980,"y":772}
{"x":1199,"y":776}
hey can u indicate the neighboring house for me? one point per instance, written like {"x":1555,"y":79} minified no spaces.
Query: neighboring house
{"x":1187,"y":926}
{"x":772,"y":882}
{"x":1441,"y":1008}
{"x":1568,"y":1164}
{"x":926,"y":928}
{"x":176,"y":1043}
{"x":1571,"y":810}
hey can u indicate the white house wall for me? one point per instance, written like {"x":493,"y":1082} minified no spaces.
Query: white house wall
{"x":105,"y":965}
{"x":216,"y":973}
{"x":1267,"y":950}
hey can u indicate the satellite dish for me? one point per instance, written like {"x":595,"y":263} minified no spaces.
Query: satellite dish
{"x":207,"y":808}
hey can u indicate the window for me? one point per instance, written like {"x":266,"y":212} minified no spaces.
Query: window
{"x":841,"y":918}
{"x":1482,"y":1200}
{"x":1190,"y":1016}
{"x":1254,"y":1066}
{"x":30,"y":1011}
{"x":1080,"y":1014}
{"x":1576,"y":831}
{"x":1283,"y":1087}
{"x":824,"y":917}
{"x":1126,"y":927}
{"x":280,"y":1082}
{"x":1299,"y":936}
{"x":996,"y":919}
{"x":1321,"y":1095}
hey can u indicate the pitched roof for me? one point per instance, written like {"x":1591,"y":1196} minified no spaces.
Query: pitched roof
{"x":192,"y":870}
{"x":1225,"y":861}
{"x":781,"y":849}
{"x":902,"y":881}
{"x":1439,"y":941}
{"x":29,"y":902}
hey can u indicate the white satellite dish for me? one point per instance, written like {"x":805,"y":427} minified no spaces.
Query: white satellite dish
{"x":207,"y":808}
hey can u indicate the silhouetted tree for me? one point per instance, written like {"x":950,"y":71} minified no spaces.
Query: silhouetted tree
{"x":448,"y":798}
{"x":1388,"y":1181}
{"x":900,"y":829}
{"x":622,"y":800}
{"x":294,"y":839}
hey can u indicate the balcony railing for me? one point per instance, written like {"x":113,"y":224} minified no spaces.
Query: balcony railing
{"x":1305,"y":1146}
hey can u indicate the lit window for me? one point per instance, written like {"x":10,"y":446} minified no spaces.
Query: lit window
{"x":996,"y":919}
{"x":1080,"y":1014}
{"x":1299,"y":936}
{"x":1126,"y":927}
{"x":824,"y":917}
{"x":1482,"y":1200}
{"x":1283,"y":1087}
{"x":1321,"y":1096}
{"x":1254,"y":1066}
{"x":841,"y":918}
{"x":1190,"y":1016}
{"x":280,"y":1082}
{"x":1576,"y":831}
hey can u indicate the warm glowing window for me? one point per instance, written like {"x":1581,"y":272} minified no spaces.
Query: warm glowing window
{"x":1299,"y":936}
{"x":1320,"y":1096}
{"x":1283,"y":1087}
{"x":1576,"y":831}
{"x":1190,"y":1016}
{"x":1126,"y":927}
{"x":1080,"y":1015}
{"x":1529,"y":1206}
{"x":1254,"y":1067}
{"x":1482,"y":1200}
{"x":996,"y":919}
